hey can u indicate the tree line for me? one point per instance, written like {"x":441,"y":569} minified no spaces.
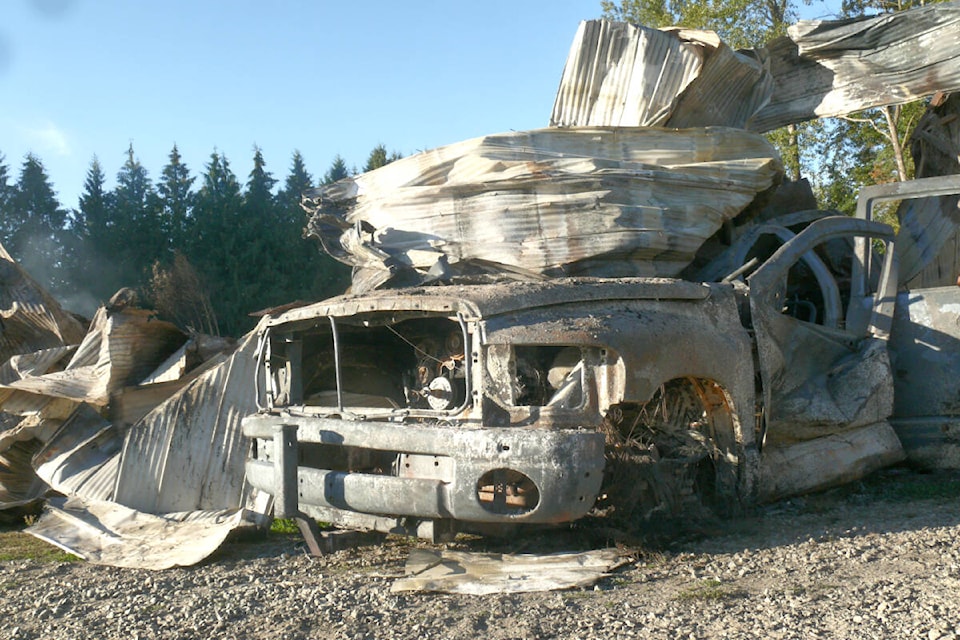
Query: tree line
{"x":205,"y":252}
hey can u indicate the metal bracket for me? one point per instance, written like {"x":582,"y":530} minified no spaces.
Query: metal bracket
{"x":286,"y":495}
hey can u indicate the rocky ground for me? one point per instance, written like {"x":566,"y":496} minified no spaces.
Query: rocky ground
{"x":880,"y":559}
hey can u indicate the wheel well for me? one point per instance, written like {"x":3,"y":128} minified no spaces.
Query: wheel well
{"x":677,"y":454}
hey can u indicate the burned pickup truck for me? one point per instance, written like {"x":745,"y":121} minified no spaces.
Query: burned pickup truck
{"x":519,"y":399}
{"x":610,"y":315}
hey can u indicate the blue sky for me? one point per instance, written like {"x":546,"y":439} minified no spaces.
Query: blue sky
{"x":80,"y":78}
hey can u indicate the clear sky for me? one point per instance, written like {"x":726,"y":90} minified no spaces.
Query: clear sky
{"x":80,"y":78}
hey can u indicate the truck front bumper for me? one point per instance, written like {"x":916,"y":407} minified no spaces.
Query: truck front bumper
{"x":442,"y":472}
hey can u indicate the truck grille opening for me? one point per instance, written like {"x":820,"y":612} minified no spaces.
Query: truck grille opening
{"x":507,"y":492}
{"x":413,"y":364}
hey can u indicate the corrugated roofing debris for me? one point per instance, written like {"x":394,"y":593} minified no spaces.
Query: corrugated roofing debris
{"x":488,"y":573}
{"x":136,"y":422}
{"x":625,"y":75}
{"x":593,"y":201}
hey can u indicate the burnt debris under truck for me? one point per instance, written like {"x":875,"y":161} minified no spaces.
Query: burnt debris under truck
{"x":437,"y":409}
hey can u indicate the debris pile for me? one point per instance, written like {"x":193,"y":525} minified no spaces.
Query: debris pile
{"x":133,"y":425}
{"x":132,"y":421}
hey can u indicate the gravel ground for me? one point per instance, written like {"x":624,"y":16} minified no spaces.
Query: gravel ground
{"x":876,"y":560}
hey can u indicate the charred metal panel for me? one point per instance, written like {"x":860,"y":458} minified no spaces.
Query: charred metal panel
{"x":820,"y":376}
{"x":827,"y":461}
{"x":925,"y":343}
{"x":565,"y":467}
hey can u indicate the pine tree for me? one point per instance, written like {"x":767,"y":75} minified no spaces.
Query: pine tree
{"x":138,"y":236}
{"x":262,"y":245}
{"x":92,"y":240}
{"x":298,"y":181}
{"x":378,"y":158}
{"x":307,"y":273}
{"x":214,"y":242}
{"x":37,"y":226}
{"x":337,"y":170}
{"x":176,"y":198}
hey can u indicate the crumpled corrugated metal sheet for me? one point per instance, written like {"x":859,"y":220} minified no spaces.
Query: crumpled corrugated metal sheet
{"x":36,"y":336}
{"x":593,"y":201}
{"x":165,"y":491}
{"x":31,"y":319}
{"x":109,"y":533}
{"x":120,"y":349}
{"x":824,"y":68}
{"x":619,"y":74}
{"x":830,"y":68}
{"x":626,"y":75}
{"x":489,"y":573}
{"x":136,"y":423}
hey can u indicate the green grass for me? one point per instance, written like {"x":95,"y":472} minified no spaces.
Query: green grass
{"x":284,"y":526}
{"x":15,"y":545}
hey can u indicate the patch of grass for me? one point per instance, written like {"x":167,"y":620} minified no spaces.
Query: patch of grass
{"x":709,"y":590}
{"x":284,"y":526}
{"x":287,"y":526}
{"x":15,"y":545}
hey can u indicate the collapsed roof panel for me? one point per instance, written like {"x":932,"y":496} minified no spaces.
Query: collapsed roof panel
{"x":619,"y":74}
{"x":831,"y":68}
{"x":587,"y":201}
{"x":31,"y":319}
{"x":824,"y":68}
{"x":626,"y":75}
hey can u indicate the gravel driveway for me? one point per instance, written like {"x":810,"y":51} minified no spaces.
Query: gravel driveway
{"x":876,"y":560}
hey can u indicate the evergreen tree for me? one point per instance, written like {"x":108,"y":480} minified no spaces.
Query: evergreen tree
{"x":214,"y":243}
{"x":6,"y":192}
{"x":258,"y":198}
{"x":298,"y":181}
{"x":379,"y":157}
{"x":337,"y":170}
{"x":308,"y":273}
{"x":37,"y":226}
{"x":92,"y":240}
{"x":138,"y":239}
{"x":176,"y":200}
{"x":262,"y":241}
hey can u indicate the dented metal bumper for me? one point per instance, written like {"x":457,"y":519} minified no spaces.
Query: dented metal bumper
{"x":440,"y":472}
